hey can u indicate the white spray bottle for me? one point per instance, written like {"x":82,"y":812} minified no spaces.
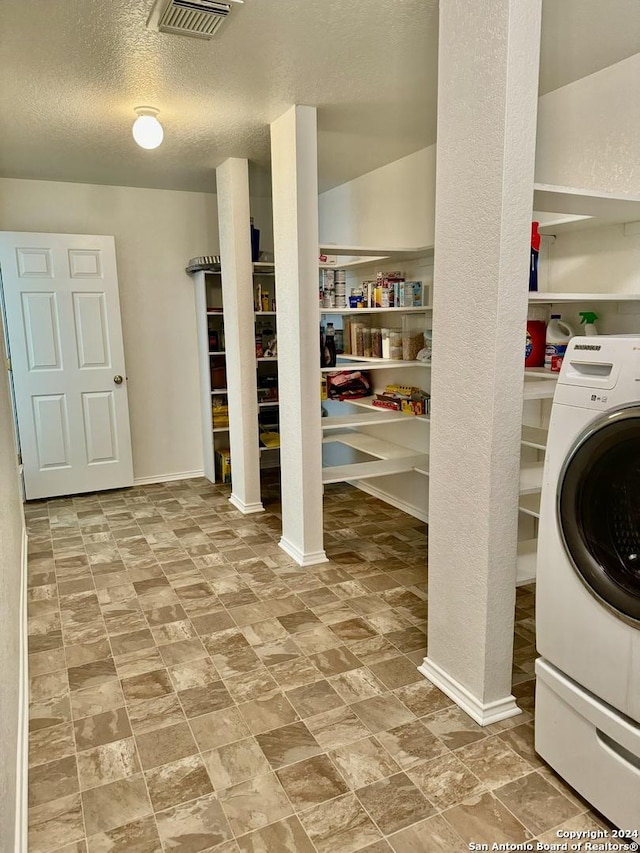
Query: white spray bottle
{"x":589,"y":322}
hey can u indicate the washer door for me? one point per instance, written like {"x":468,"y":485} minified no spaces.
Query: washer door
{"x":599,"y":510}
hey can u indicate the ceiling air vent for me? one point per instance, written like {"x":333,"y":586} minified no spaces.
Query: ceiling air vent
{"x":195,"y":18}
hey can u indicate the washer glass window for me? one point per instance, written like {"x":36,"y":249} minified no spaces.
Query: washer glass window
{"x":599,"y":510}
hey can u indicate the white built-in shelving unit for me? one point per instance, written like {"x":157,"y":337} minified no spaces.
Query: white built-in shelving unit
{"x":266,"y":366}
{"x":210,"y":319}
{"x":383,"y":452}
{"x":588,"y":261}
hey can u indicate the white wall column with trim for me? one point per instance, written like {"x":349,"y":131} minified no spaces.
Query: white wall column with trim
{"x":232,"y":179}
{"x":294,"y":169}
{"x":487,"y":101}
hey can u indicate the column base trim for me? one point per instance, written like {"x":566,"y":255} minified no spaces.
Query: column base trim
{"x":483,"y":713}
{"x":303,"y":559}
{"x":246,"y":509}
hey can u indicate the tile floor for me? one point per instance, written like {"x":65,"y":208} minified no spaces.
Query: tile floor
{"x":194,"y":690}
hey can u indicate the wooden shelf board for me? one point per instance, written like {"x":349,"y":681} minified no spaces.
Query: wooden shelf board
{"x":220,"y":429}
{"x":215,"y":312}
{"x":531,"y":478}
{"x":378,"y":468}
{"x":374,"y":417}
{"x":530,"y":505}
{"x":548,"y":297}
{"x":415,"y":309}
{"x":534,"y":437}
{"x":526,"y":564}
{"x":602,"y":207}
{"x":365,"y":403}
{"x":267,"y":358}
{"x":541,"y":373}
{"x":265,"y":313}
{"x":265,"y":405}
{"x":219,"y":391}
{"x":217,"y":352}
{"x":395,"y":252}
{"x":370,"y":444}
{"x":540,"y":390}
{"x":359,"y":362}
{"x":265,"y":449}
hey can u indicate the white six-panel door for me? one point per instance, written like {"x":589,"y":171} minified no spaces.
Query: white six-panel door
{"x":65,"y":340}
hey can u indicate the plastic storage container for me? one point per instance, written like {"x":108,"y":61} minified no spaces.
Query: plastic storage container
{"x":535,"y":343}
{"x":558,"y":336}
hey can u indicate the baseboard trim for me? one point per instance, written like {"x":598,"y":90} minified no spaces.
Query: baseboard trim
{"x":246,"y":509}
{"x":22,"y":757}
{"x":410,"y":509}
{"x":302,"y":559}
{"x":483,"y":714}
{"x":167,"y":478}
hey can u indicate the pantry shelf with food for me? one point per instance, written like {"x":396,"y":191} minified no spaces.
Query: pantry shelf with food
{"x":376,"y":433}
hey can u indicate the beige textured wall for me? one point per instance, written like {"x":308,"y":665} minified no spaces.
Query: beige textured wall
{"x":11,"y":525}
{"x":156,"y":232}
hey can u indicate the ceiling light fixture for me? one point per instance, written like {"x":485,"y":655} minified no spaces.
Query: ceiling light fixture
{"x":147,"y":130}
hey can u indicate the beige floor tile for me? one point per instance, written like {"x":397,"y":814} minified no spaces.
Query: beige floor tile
{"x":446,"y":781}
{"x":493,"y":761}
{"x":194,"y":826}
{"x":340,"y":825}
{"x":433,"y":835}
{"x":411,"y":744}
{"x":268,"y":713}
{"x":356,"y":685}
{"x":51,"y":744}
{"x":314,"y":698}
{"x":295,"y":673}
{"x":394,"y":803}
{"x":152,"y":714}
{"x":288,"y":745}
{"x":162,"y":746}
{"x":158,"y":567}
{"x":454,"y":727}
{"x":255,"y":803}
{"x":92,"y":674}
{"x":311,"y":781}
{"x":285,"y":836}
{"x":59,"y":819}
{"x":101,"y":728}
{"x":219,"y":728}
{"x":107,"y":763}
{"x":336,"y":728}
{"x":53,"y":780}
{"x":396,"y":672}
{"x":536,"y":803}
{"x":485,"y":820}
{"x":382,"y":712}
{"x":116,"y":804}
{"x":198,"y":701}
{"x":149,"y":685}
{"x":178,"y":782}
{"x":235,"y":762}
{"x":363,"y":762}
{"x":423,"y":698}
{"x":140,"y":836}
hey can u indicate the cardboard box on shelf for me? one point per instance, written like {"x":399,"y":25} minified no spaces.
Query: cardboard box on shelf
{"x":223,"y":466}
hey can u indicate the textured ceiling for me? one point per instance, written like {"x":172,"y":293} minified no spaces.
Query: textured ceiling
{"x":71,"y":72}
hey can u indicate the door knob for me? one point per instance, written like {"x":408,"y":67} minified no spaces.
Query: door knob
{"x":117,"y":379}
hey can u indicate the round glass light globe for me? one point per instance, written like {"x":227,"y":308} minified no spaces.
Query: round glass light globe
{"x":147,"y":131}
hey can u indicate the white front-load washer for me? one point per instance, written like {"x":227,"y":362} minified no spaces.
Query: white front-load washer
{"x":587,"y":724}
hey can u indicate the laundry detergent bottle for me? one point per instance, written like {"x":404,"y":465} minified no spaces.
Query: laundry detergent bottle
{"x":559,"y":334}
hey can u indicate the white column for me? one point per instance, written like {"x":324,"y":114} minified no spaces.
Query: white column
{"x":487,"y":100}
{"x":294,"y":169}
{"x":232,"y":179}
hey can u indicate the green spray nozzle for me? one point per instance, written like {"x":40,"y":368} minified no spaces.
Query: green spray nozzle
{"x":588,"y":317}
